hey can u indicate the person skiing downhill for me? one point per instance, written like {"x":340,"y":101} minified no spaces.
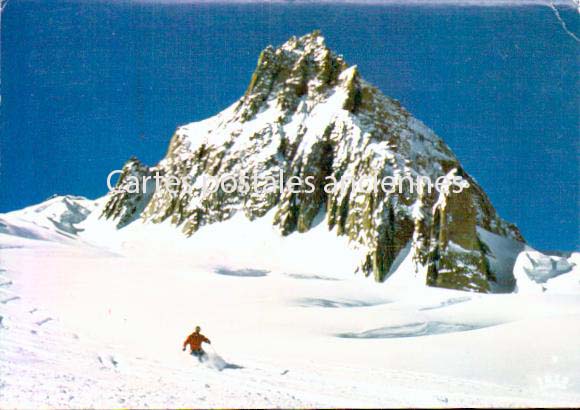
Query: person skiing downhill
{"x":194,"y":341}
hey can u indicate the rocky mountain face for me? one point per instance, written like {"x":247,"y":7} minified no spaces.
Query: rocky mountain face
{"x":306,"y":113}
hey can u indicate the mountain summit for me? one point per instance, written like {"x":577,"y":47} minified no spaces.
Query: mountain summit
{"x":307,"y":114}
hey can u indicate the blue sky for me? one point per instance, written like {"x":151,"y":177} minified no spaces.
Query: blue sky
{"x":86,"y":85}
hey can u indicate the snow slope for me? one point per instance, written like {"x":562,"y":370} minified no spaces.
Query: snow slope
{"x":98,"y":321}
{"x":54,"y":219}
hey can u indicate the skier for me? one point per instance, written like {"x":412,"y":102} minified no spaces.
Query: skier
{"x":194,"y":341}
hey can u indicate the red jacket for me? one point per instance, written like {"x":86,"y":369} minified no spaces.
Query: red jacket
{"x":195,"y":340}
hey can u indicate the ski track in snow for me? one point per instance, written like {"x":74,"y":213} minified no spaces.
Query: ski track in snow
{"x":447,"y":302}
{"x":244,"y":273}
{"x":336,"y":303}
{"x":413,"y":330}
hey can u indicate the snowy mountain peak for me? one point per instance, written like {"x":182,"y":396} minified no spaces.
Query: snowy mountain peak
{"x":308,"y":116}
{"x":302,"y":68}
{"x":55,"y":219}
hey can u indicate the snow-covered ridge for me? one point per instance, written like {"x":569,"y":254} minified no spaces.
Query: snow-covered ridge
{"x":55,"y":219}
